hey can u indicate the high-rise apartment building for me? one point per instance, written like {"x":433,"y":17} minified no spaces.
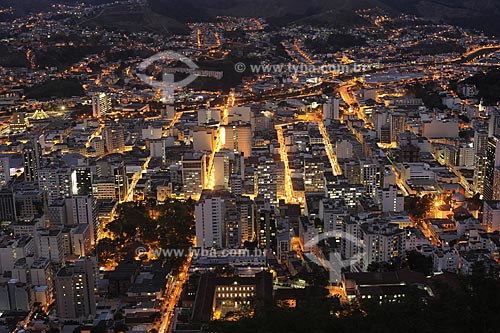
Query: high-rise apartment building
{"x":492,"y":161}
{"x":210,"y":212}
{"x":31,"y":161}
{"x":81,"y":179}
{"x":397,"y":123}
{"x":314,"y":175}
{"x":56,"y":182}
{"x":193,"y":174}
{"x":74,"y":286}
{"x":238,"y":138}
{"x":114,"y":138}
{"x":480,"y":159}
{"x":4,"y":171}
{"x":266,"y":179}
{"x":7,"y":205}
{"x":82,"y":209}
{"x":383,"y":243}
{"x":267,"y":229}
{"x":101,"y":104}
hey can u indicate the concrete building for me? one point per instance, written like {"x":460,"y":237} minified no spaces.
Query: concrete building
{"x":152,"y":132}
{"x":391,"y":200}
{"x":343,"y":149}
{"x":480,"y":159}
{"x":31,"y":161}
{"x":384,"y":243}
{"x":466,"y":157}
{"x":333,"y":213}
{"x":308,"y":234}
{"x":7,"y":205}
{"x":440,"y":129}
{"x":241,"y":113}
{"x":80,"y":240}
{"x":101,"y":104}
{"x":222,"y":170}
{"x":157,"y":148}
{"x":55,"y":182}
{"x":193,"y":174}
{"x":350,"y":247}
{"x":494,"y":123}
{"x":492,"y":161}
{"x":210,"y":212}
{"x":38,"y":275}
{"x":247,"y":213}
{"x":50,"y":245}
{"x":491,"y":215}
{"x":99,"y":146}
{"x":218,"y":296}
{"x":328,"y":111}
{"x":82,"y":209}
{"x":445,"y":260}
{"x":81,"y":179}
{"x":114,"y":138}
{"x":74,"y":286}
{"x":350,"y":193}
{"x":371,"y":177}
{"x":15,"y":296}
{"x":415,"y":239}
{"x":397,"y":122}
{"x":266,"y":179}
{"x":112,"y":180}
{"x":4,"y":170}
{"x":267,"y":229}
{"x":283,"y":245}
{"x":15,"y":249}
{"x":238,"y":138}
{"x":314,"y":178}
{"x":207,"y":116}
{"x":203,"y":139}
{"x":411,"y":171}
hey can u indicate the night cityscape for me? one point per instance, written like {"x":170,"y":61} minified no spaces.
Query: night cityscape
{"x":274,"y":166}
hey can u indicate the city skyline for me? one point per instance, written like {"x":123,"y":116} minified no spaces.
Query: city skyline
{"x":172,"y":166}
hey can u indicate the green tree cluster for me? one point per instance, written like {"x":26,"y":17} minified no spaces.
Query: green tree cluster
{"x":169,"y":225}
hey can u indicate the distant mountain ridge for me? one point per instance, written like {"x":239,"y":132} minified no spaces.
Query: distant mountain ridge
{"x":268,"y":8}
{"x":478,"y":14}
{"x":23,"y":7}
